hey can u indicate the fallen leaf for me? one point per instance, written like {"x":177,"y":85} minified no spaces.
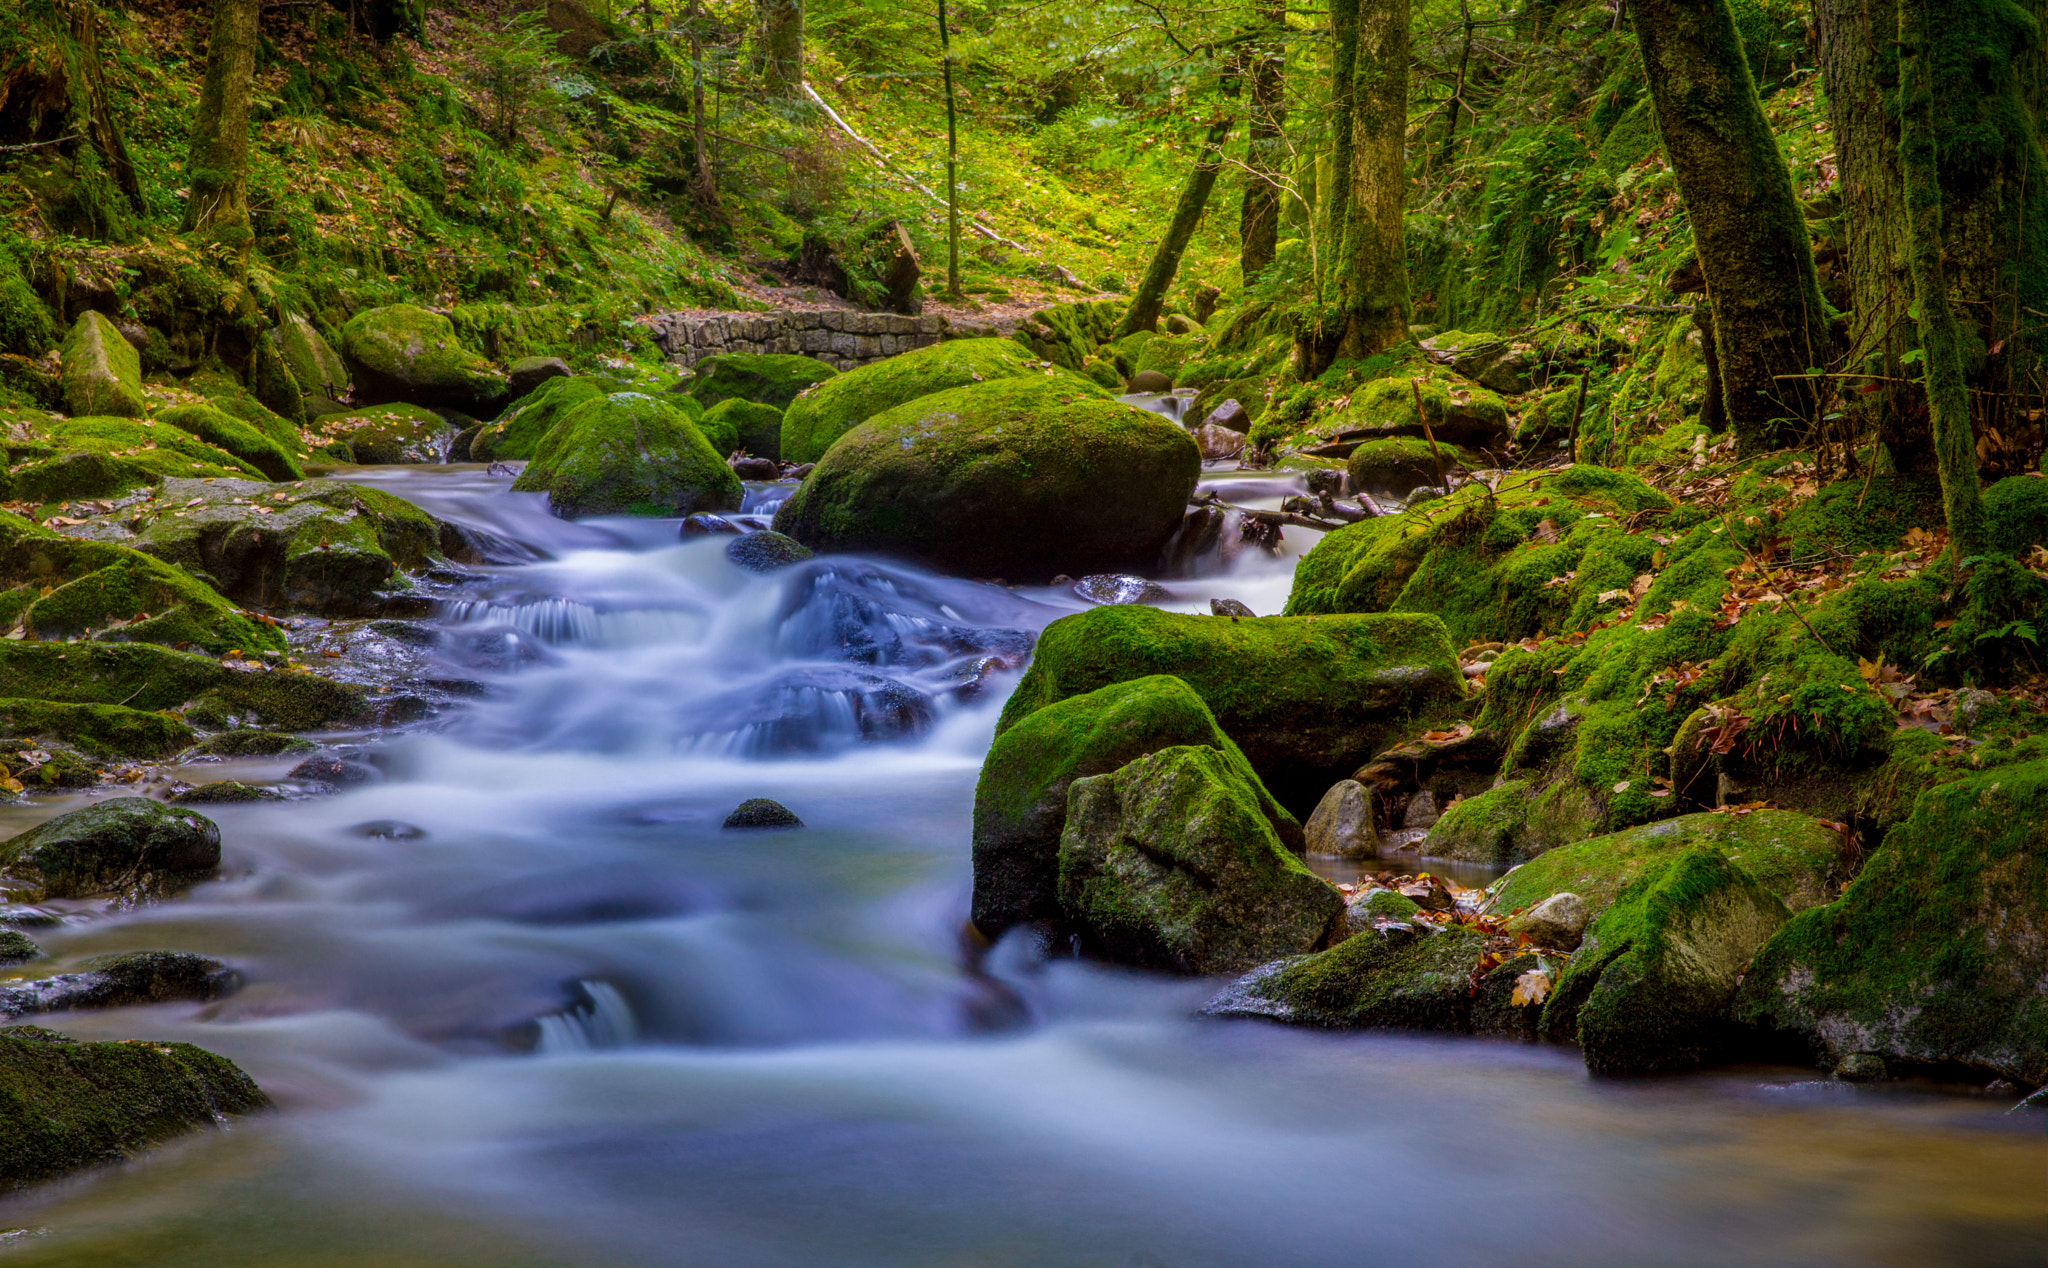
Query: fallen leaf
{"x":1532,"y":987}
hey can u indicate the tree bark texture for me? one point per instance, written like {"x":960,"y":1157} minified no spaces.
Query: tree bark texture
{"x":1150,"y":297}
{"x":779,"y":52}
{"x":1747,"y":225}
{"x":1265,"y":151}
{"x":1373,"y":282}
{"x":952,"y":163}
{"x":99,"y":121}
{"x":1948,"y":396}
{"x":1336,"y":190}
{"x":219,"y":165}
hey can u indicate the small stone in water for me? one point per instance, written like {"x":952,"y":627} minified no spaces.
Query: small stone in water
{"x":756,"y":468}
{"x":1150,"y":381}
{"x":761,"y":812}
{"x":708,"y":526}
{"x":222,"y":791}
{"x":1860,"y":1067}
{"x":1116,"y":589}
{"x":387,"y":829}
{"x":326,"y":768}
{"x":1229,"y":415}
{"x":766,"y":551}
{"x":1229,"y":607}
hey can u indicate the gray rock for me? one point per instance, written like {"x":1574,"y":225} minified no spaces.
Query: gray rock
{"x":1861,"y":1067}
{"x":123,"y":846}
{"x":766,"y":551}
{"x":703,"y":525}
{"x":137,"y":977}
{"x":761,"y":812}
{"x":1218,"y":443}
{"x":1341,"y":826}
{"x":528,"y":373}
{"x":1422,"y":812}
{"x":1150,"y":381}
{"x":1557,"y":923}
{"x":332,"y":770}
{"x":1113,"y":589}
{"x":1230,"y":608}
{"x":225,"y":791}
{"x":1230,"y":415}
{"x":755,"y":468}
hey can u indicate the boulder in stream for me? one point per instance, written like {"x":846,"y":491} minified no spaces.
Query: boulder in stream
{"x":1342,"y":825}
{"x":121,"y":847}
{"x":120,"y":981}
{"x":1394,"y":976}
{"x":766,"y":551}
{"x":629,"y":454}
{"x":771,"y":380}
{"x":515,"y":435}
{"x":762,"y":812}
{"x":813,"y":421}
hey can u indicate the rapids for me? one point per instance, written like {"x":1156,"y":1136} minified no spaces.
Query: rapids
{"x":521,"y":1001}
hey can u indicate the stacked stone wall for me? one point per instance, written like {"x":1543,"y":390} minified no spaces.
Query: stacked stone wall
{"x":841,"y":338}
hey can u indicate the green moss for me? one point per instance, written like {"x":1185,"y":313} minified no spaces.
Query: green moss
{"x":1488,"y":828}
{"x":1308,"y":699}
{"x":1790,"y":855}
{"x":773,"y":379}
{"x":401,"y":352}
{"x":145,"y":677}
{"x":517,"y":434}
{"x":102,"y":371}
{"x":1020,"y":803}
{"x":103,"y":730}
{"x":1462,"y":414}
{"x":1371,"y":979}
{"x":396,"y":433}
{"x":104,"y":457}
{"x":2016,"y":514}
{"x":630,"y":454}
{"x":235,"y":437}
{"x":251,"y":744}
{"x":813,"y":421}
{"x":745,"y":425}
{"x":25,"y":324}
{"x":1862,"y":515}
{"x":1549,"y":421}
{"x":122,"y":846}
{"x":315,"y":367}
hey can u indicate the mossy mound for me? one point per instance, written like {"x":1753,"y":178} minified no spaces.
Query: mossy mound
{"x":1932,"y":958}
{"x":123,"y":846}
{"x":1397,"y":977}
{"x":1402,"y":464}
{"x":1307,"y":699}
{"x":231,"y":435}
{"x":629,"y":454}
{"x":516,"y":435}
{"x":1649,"y":989}
{"x":2016,"y":514}
{"x":384,"y":434}
{"x":1790,"y":855}
{"x":1018,"y":478}
{"x":1020,"y":803}
{"x":1458,"y":413}
{"x":149,"y":678}
{"x":812,"y":422}
{"x":770,"y":379}
{"x":1547,"y":422}
{"x":744,"y":425}
{"x":85,"y":589}
{"x":405,"y":353}
{"x":102,"y":370}
{"x":105,"y":457}
{"x":315,"y":366}
{"x":1170,"y":862}
{"x":312,"y":546}
{"x":251,"y":744}
{"x":70,"y":1105}
{"x":104,"y":730}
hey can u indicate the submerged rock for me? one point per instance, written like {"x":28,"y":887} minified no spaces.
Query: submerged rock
{"x":1109,"y":589}
{"x":332,"y":770}
{"x":1169,"y":862}
{"x":125,"y":846}
{"x":762,"y":812}
{"x":75,"y":1105}
{"x":119,"y":981}
{"x":628,"y":454}
{"x":17,"y":948}
{"x":813,"y":422}
{"x":766,"y":551}
{"x":225,"y":792}
{"x":1021,"y":802}
{"x":1393,"y":977}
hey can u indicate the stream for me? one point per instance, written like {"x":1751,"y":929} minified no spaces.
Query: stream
{"x":522,"y":1001}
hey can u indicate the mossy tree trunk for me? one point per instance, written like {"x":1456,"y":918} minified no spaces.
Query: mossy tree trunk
{"x":779,"y":47}
{"x":1373,"y":277}
{"x":1258,"y":224}
{"x":1335,"y":188}
{"x":1150,"y":297}
{"x":1770,"y":324}
{"x":1948,"y":397}
{"x":1986,"y":61}
{"x":218,"y":202}
{"x":952,"y":163}
{"x":99,"y":122}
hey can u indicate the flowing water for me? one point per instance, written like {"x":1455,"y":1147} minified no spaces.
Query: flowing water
{"x":521,"y":1001}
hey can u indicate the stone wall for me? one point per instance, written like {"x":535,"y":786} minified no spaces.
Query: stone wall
{"x":841,"y":338}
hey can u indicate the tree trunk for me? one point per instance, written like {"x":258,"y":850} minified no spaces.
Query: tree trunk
{"x":1373,"y":285}
{"x":99,"y":121}
{"x":218,"y":201}
{"x":701,"y":179}
{"x":952,"y":164}
{"x":1258,"y":225}
{"x":1769,"y":321}
{"x":1336,"y":191}
{"x":1948,"y":396}
{"x":1150,"y":297}
{"x":779,"y":47}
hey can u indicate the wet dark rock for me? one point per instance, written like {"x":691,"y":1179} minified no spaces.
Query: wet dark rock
{"x":1324,"y":482}
{"x":702,"y":525}
{"x":1861,"y":1067}
{"x":528,"y":373}
{"x":760,"y":812}
{"x":1392,"y":977}
{"x":1218,"y":443}
{"x":17,"y":948}
{"x":331,"y":770}
{"x":127,"y":846}
{"x":136,"y":977}
{"x":1117,"y":588}
{"x":870,"y":615}
{"x":1209,"y":538}
{"x":799,"y":471}
{"x":458,"y":448}
{"x":766,"y":551}
{"x":756,"y":468}
{"x":1230,"y":608}
{"x":1150,"y":381}
{"x":806,"y":710}
{"x":224,"y":792}
{"x":386,"y":829}
{"x":1231,"y":416}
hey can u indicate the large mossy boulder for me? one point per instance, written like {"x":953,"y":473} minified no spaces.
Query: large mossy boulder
{"x":102,"y":370}
{"x":629,"y":454}
{"x":1398,"y":466}
{"x":405,"y":353}
{"x":1171,"y":862}
{"x":103,"y":730}
{"x":1936,"y":956}
{"x":1018,"y":478}
{"x":1399,"y":976}
{"x":101,"y":457}
{"x":1020,"y":803}
{"x":1457,"y":413}
{"x":1307,"y":700}
{"x":757,"y":429}
{"x":320,"y":546}
{"x":1649,"y":988}
{"x":69,"y":1106}
{"x":377,"y":435}
{"x":315,"y":366}
{"x":811,"y":423}
{"x":518,"y":433}
{"x":70,"y":589}
{"x":771,"y":379}
{"x":145,"y":677}
{"x":122,"y":847}
{"x":233,"y":436}
{"x":1792,"y":856}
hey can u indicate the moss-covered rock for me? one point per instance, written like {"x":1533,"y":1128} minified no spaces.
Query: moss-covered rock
{"x":122,"y":846}
{"x":1020,"y":803}
{"x":380,"y":434}
{"x":1308,"y":700}
{"x":754,"y":428}
{"x":404,"y":353}
{"x":144,"y":677}
{"x":813,"y":421}
{"x":1170,"y":862}
{"x":312,"y":546}
{"x":629,"y":454}
{"x":1019,"y":478}
{"x":2016,"y":514}
{"x":1649,"y":989}
{"x":1488,"y":828}
{"x":247,"y":743}
{"x":70,"y":1106}
{"x":516,"y":434}
{"x":105,"y":457}
{"x":1394,"y":977}
{"x":87,"y":589}
{"x":1933,"y":958}
{"x":102,"y":370}
{"x":1548,"y":421}
{"x":1790,"y":855}
{"x":1458,"y":413}
{"x":1402,"y":464}
{"x":315,"y":366}
{"x":231,"y":435}
{"x":104,"y":730}
{"x":771,"y":379}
